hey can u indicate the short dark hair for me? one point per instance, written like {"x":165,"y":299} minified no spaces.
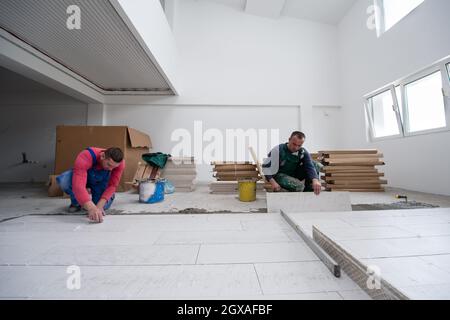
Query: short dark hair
{"x":114,"y":153}
{"x":298,"y":134}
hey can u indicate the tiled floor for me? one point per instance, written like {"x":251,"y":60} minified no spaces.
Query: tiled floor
{"x":222,"y":256}
{"x":411,"y":248}
{"x":138,"y":253}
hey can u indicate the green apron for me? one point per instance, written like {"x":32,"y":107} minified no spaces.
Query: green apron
{"x":289,"y":165}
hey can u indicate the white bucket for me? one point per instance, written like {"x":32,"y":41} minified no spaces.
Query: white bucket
{"x":146,"y":190}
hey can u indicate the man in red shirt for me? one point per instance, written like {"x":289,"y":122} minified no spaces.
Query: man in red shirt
{"x":99,"y":170}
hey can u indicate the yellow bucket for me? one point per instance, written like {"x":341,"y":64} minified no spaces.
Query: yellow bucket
{"x":247,"y":190}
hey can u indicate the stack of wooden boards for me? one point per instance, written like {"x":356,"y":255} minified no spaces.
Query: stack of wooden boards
{"x":352,"y":170}
{"x":233,"y":171}
{"x":181,"y":172}
{"x":228,"y":174}
{"x":144,"y":172}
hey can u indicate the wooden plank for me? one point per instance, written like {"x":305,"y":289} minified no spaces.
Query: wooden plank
{"x":354,"y":162}
{"x":366,"y":168}
{"x":344,"y":161}
{"x":235,"y":167}
{"x":229,"y":162}
{"x":353,"y":185}
{"x":258,"y":164}
{"x":236,"y":173}
{"x":347,"y":156}
{"x":350,"y":151}
{"x":355,"y":190}
{"x":355,"y":174}
{"x":327,"y":260}
{"x":356,"y":182}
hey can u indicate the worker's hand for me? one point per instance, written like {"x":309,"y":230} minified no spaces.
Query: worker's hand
{"x":101,"y":204}
{"x":276,"y":187}
{"x":95,"y":215}
{"x":316,"y":186}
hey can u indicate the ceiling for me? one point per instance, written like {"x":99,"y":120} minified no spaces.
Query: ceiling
{"x":104,"y":51}
{"x":323,"y":11}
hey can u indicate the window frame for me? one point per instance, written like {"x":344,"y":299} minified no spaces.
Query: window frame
{"x":403,"y":121}
{"x":395,"y":107}
{"x":412,"y":79}
{"x":380,"y":16}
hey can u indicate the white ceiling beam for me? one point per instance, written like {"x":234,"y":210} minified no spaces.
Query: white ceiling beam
{"x":265,"y":8}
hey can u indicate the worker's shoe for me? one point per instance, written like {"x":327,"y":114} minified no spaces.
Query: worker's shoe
{"x":73,"y":208}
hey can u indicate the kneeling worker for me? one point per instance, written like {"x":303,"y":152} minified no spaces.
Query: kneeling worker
{"x":99,"y":170}
{"x":289,"y":164}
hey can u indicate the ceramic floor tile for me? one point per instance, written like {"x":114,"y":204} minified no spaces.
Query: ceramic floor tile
{"x":409,"y":271}
{"x":20,"y":254}
{"x":250,"y":253}
{"x":428,"y":230}
{"x":200,"y":281}
{"x":265,"y":225}
{"x":79,"y":237}
{"x":300,"y":277}
{"x":308,"y":202}
{"x":428,"y":292}
{"x":440,"y":261}
{"x":208,"y":237}
{"x":384,"y":248}
{"x":354,"y":233}
{"x":118,"y":255}
{"x":395,"y":221}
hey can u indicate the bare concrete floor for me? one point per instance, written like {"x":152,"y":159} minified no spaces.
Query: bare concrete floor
{"x":24,"y":199}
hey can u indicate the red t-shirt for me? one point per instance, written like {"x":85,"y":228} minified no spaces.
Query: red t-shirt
{"x":83,"y":163}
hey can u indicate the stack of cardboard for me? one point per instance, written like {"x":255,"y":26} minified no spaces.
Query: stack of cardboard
{"x":352,"y":170}
{"x":228,"y":174}
{"x":71,"y":140}
{"x":181,"y":172}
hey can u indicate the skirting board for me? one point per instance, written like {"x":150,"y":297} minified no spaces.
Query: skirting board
{"x":328,"y":261}
{"x":297,"y":202}
{"x":357,"y":270}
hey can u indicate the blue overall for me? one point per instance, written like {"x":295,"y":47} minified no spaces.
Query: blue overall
{"x":97,"y":181}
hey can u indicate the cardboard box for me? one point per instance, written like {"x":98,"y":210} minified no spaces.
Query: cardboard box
{"x":71,"y":140}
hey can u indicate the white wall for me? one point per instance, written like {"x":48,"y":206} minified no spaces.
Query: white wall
{"x":29,"y":115}
{"x":226,"y":59}
{"x":367,"y":63}
{"x":161,"y":121}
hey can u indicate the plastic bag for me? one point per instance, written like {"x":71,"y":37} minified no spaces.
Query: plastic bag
{"x":156,"y":159}
{"x":168,"y":187}
{"x":151,"y":192}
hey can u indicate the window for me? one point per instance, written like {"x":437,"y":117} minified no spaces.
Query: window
{"x":425,"y":108}
{"x":398,"y":93}
{"x":448,"y":70}
{"x":416,"y":104}
{"x":383,"y":116}
{"x":392,"y":11}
